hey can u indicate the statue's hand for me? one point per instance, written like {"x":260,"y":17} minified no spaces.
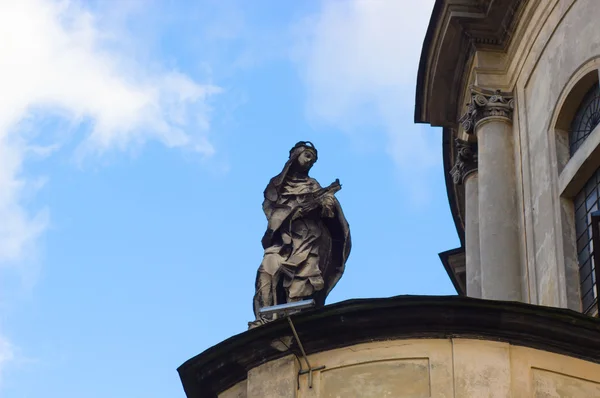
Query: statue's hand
{"x":327,"y":206}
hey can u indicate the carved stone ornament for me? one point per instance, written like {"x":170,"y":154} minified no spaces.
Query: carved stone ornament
{"x":466,"y":160}
{"x":485,"y":104}
{"x":307,"y":241}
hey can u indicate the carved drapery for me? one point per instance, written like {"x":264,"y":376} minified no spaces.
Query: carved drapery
{"x":485,"y":104}
{"x":465,"y":162}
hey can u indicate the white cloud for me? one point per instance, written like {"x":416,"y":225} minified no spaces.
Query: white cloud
{"x":54,"y":60}
{"x":359,"y":60}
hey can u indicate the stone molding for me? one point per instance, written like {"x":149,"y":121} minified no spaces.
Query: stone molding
{"x":358,"y":321}
{"x":486,"y":104}
{"x":456,"y":31}
{"x":465,"y":162}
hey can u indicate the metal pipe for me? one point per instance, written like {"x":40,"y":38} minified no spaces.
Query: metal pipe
{"x":298,"y":340}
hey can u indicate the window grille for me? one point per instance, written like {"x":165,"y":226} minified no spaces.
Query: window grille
{"x":586,"y":119}
{"x":586,"y":202}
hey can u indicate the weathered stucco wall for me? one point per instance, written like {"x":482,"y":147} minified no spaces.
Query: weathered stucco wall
{"x":426,"y":368}
{"x":569,"y":39}
{"x":554,"y":52}
{"x":237,"y":391}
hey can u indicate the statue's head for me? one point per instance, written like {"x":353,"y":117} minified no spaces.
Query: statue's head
{"x":303,"y":155}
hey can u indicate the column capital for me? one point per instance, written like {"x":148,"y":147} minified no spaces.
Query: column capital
{"x":484,"y":104}
{"x":465,"y":162}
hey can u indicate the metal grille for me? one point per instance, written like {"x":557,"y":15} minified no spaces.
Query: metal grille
{"x":586,"y":202}
{"x":586,"y":119}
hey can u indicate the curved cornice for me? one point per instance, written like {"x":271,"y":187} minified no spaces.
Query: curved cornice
{"x":424,"y":61}
{"x":357,"y":321}
{"x":455,"y":31}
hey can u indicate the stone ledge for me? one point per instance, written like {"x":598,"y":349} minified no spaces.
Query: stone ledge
{"x":364,"y":320}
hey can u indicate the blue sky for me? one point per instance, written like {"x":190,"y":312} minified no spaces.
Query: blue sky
{"x":136,"y":139}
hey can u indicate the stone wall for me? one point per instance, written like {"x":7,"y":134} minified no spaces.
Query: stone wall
{"x":567,"y":43}
{"x":553,"y":58}
{"x":426,"y":368}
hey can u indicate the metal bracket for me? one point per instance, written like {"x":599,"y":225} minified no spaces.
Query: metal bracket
{"x":287,"y":309}
{"x":310,"y":369}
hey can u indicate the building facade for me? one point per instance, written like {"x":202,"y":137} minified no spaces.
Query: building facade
{"x":514,"y":85}
{"x":407,"y":347}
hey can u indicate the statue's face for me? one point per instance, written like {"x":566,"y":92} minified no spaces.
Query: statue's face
{"x":306,"y":159}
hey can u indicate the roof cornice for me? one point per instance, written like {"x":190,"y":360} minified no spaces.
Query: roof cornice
{"x":456,"y":30}
{"x":403,"y":317}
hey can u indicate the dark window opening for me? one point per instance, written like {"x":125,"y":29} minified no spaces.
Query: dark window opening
{"x":587,"y":202}
{"x":586,"y":118}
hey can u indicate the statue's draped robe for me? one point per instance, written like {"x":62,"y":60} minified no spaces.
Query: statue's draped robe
{"x":305,"y":256}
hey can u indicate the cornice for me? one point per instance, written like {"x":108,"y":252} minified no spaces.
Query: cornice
{"x":404,"y":317}
{"x":503,"y":72}
{"x":456,"y":30}
{"x":454,"y":264}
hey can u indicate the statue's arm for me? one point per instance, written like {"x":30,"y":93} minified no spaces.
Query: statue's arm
{"x":267,"y":208}
{"x":326,"y":201}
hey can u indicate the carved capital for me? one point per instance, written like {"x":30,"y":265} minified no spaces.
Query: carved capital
{"x":465,"y":162}
{"x":485,"y":104}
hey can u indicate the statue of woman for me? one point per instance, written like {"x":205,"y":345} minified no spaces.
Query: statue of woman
{"x":307,"y":240}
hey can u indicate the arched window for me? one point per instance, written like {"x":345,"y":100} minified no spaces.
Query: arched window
{"x":576,"y":129}
{"x":586,"y":118}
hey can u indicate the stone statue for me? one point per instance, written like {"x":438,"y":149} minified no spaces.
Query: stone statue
{"x":307,"y":241}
